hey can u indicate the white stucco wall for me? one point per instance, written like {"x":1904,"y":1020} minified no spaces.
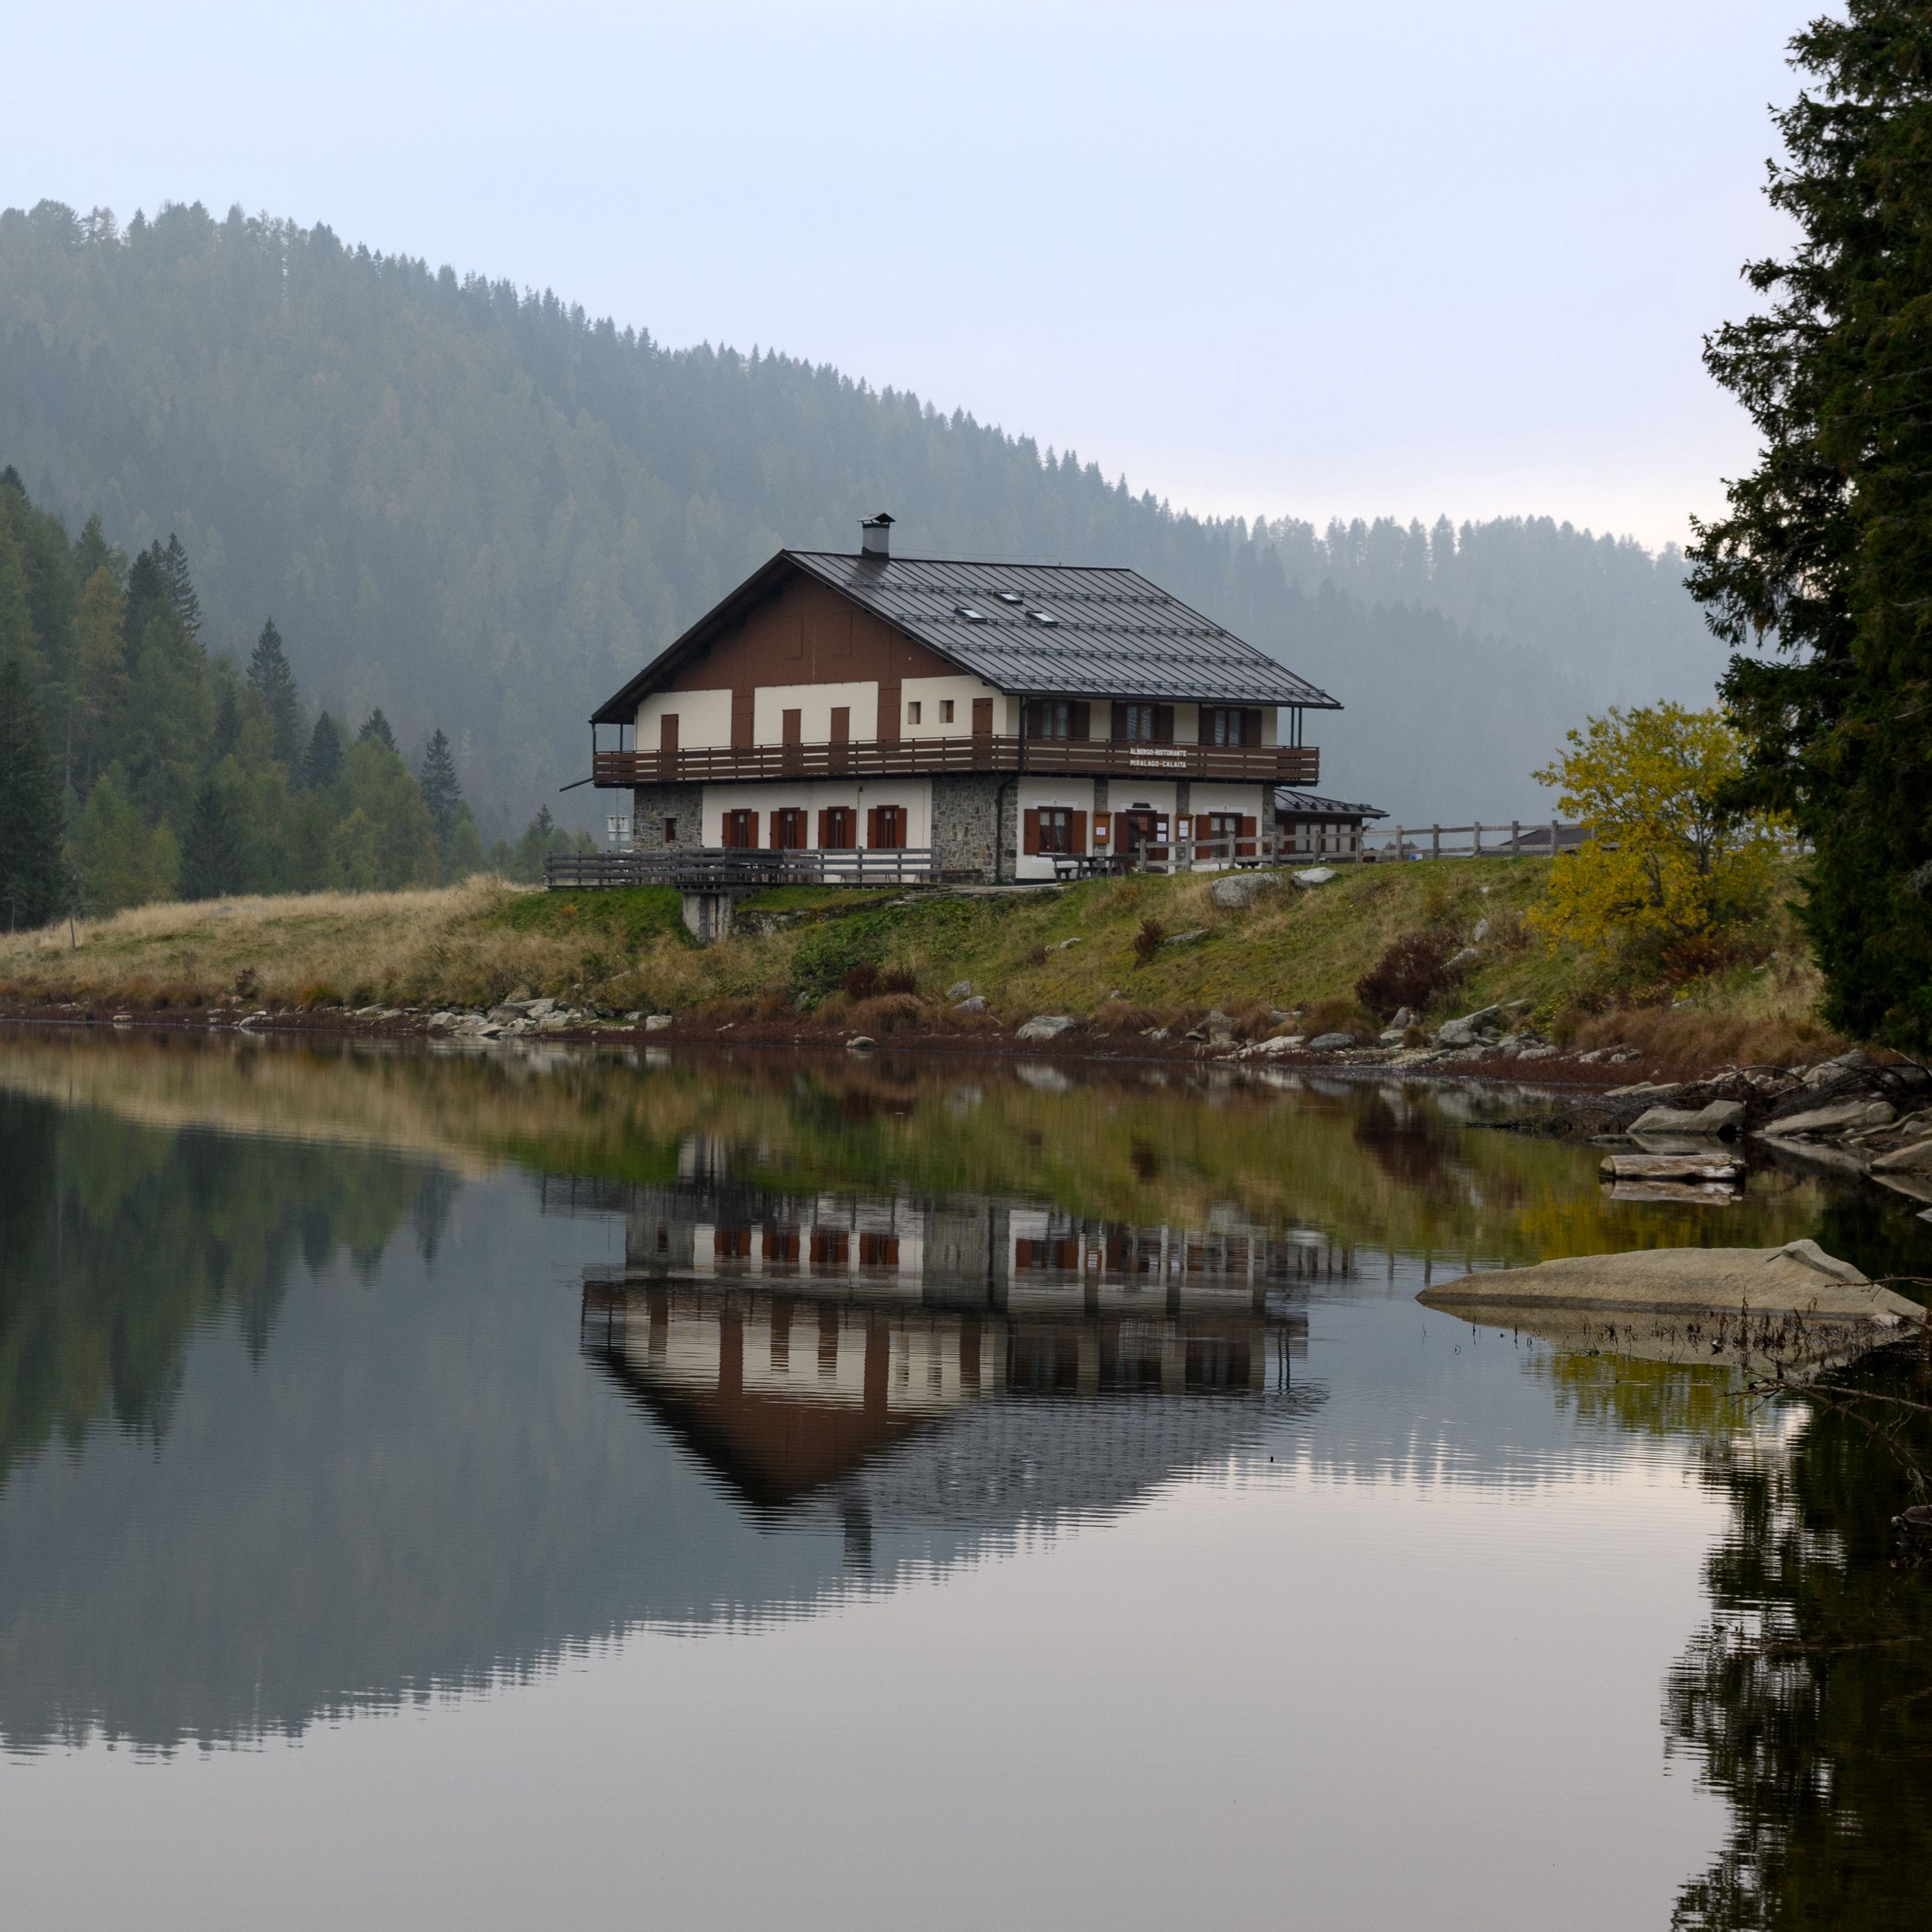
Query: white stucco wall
{"x":703,"y":719}
{"x":913,"y":795}
{"x":926,"y":692}
{"x":815,"y":702}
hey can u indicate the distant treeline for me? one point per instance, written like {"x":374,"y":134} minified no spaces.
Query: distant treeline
{"x":137,"y":765}
{"x":480,"y":508}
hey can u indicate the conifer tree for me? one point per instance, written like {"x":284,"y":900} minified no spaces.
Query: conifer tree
{"x":180,"y":588}
{"x":211,"y":853}
{"x":322,"y":763}
{"x":274,"y":683}
{"x":1826,"y":552}
{"x":147,"y":586}
{"x":32,"y":881}
{"x":437,"y":782}
{"x":376,"y":731}
{"x":227,"y":722}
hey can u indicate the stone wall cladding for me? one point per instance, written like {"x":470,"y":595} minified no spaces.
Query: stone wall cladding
{"x":965,"y":807}
{"x":651,"y":805}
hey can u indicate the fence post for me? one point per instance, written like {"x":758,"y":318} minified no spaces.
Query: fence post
{"x":1516,"y":840}
{"x":1435,"y":841}
{"x":1552,"y":838}
{"x":1476,"y":842}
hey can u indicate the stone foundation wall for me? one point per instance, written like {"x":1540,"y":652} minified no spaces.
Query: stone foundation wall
{"x":651,"y":805}
{"x":965,"y":811}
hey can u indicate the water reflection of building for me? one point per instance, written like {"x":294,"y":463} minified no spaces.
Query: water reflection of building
{"x":955,"y":1358}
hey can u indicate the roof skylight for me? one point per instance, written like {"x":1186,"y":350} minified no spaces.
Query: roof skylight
{"x":1042,"y":616}
{"x":1008,"y":596}
{"x":971,"y":616}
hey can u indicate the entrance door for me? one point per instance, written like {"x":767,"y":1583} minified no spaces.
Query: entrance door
{"x":1140,"y":834}
{"x":983,"y":731}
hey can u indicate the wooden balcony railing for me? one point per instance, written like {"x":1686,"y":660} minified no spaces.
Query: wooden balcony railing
{"x":1298,"y":765}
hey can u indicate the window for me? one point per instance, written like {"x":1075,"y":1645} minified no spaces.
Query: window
{"x":1051,"y":717}
{"x":913,"y":712}
{"x":1134,"y":724}
{"x":671,"y":831}
{"x":1221,"y":825}
{"x":1007,"y":596}
{"x":788,"y":830}
{"x":1043,"y":617}
{"x":946,"y":711}
{"x":836,"y":828}
{"x":1224,"y":725}
{"x":971,"y":616}
{"x":1056,"y":829}
{"x":741,"y":830}
{"x":886,"y":827}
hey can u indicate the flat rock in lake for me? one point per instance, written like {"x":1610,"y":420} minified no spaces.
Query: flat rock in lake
{"x":1670,"y":1167}
{"x":1798,"y":1279}
{"x":1720,"y":1117}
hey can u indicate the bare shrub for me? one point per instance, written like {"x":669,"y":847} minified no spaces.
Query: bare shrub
{"x":1037,"y":955}
{"x":1123,"y":1016}
{"x":1147,"y":941}
{"x":861,"y":982}
{"x":898,"y":979}
{"x":1414,"y":973}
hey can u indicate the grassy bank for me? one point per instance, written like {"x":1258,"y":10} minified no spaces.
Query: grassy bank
{"x":1129,"y":953}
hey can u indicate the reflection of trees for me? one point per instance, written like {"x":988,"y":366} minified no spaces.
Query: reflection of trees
{"x":117,"y":1241}
{"x":1372,"y":1165}
{"x":1808,"y":1697}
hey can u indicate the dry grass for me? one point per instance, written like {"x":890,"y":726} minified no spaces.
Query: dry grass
{"x":1070,"y":952}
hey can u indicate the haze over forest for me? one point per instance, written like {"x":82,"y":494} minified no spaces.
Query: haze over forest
{"x":481,"y":509}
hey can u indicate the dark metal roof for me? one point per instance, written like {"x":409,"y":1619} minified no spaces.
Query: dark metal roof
{"x":1112,"y":630}
{"x":1312,"y":805}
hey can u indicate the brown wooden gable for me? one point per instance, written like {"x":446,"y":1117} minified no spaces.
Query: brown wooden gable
{"x":807,"y":633}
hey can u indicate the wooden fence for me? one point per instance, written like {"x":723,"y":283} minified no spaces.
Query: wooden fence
{"x":719,"y":868}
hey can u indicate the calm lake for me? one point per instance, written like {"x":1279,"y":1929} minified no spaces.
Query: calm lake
{"x":594,"y":1490}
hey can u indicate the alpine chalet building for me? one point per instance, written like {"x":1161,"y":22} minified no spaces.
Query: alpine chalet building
{"x":1003,"y":718}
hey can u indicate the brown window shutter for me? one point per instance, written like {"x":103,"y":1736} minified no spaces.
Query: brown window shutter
{"x":741,"y":721}
{"x":1030,"y":840}
{"x":1163,"y":724}
{"x":751,"y":830}
{"x":983,"y":717}
{"x":668,"y":732}
{"x":821,"y":831}
{"x":1248,"y":828}
{"x":1251,"y":727}
{"x":871,"y":825}
{"x":1079,"y":834}
{"x":1083,"y":722}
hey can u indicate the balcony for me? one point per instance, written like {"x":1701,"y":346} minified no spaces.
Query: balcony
{"x":1298,"y":765}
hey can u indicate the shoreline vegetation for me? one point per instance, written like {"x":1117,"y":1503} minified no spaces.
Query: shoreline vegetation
{"x":1152,"y":965}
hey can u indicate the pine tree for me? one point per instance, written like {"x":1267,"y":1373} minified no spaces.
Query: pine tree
{"x":274,"y":683}
{"x":322,"y":763}
{"x":211,"y":853}
{"x":437,"y":782}
{"x":180,"y":589}
{"x":32,"y":880}
{"x":227,"y":721}
{"x":147,"y":586}
{"x":1826,"y":552}
{"x":376,"y":729}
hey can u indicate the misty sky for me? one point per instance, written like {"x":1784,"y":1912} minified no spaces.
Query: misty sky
{"x":1298,"y":259}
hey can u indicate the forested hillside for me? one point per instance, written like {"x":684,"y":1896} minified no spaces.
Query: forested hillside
{"x":470,"y":506}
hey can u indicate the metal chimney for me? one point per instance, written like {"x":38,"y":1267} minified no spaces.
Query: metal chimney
{"x":875,"y":537}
